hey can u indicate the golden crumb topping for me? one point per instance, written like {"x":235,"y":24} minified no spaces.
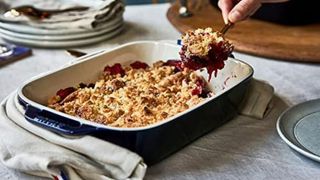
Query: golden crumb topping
{"x":137,"y":98}
{"x":199,"y":42}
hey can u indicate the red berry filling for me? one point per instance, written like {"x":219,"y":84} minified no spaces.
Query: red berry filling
{"x":83,"y":85}
{"x":115,"y":69}
{"x":201,"y":89}
{"x":139,"y":65}
{"x":176,"y":63}
{"x":213,"y":62}
{"x":63,"y":93}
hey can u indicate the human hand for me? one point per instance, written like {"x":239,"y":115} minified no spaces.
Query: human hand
{"x":238,"y":10}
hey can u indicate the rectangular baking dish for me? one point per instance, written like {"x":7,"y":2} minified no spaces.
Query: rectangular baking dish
{"x":153,"y":142}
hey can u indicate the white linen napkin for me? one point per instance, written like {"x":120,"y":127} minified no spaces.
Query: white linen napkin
{"x":256,"y":102}
{"x":99,"y":12}
{"x":34,"y":150}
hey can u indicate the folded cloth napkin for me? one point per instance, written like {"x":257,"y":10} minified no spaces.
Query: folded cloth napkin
{"x":99,"y":12}
{"x":256,"y":102}
{"x":34,"y":150}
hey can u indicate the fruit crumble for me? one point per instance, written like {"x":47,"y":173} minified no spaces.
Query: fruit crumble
{"x":134,"y":96}
{"x":205,"y":48}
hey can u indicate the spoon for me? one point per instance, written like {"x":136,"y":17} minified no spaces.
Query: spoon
{"x":37,"y":13}
{"x":183,"y":10}
{"x":226,"y":27}
{"x":5,"y":50}
{"x":80,"y":54}
{"x":75,"y":53}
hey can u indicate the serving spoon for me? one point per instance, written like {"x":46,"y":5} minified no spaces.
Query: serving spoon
{"x":80,"y":54}
{"x":75,"y":53}
{"x":37,"y":13}
{"x":5,"y":50}
{"x":226,"y":27}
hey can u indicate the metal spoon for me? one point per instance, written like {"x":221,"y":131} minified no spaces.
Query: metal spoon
{"x":80,"y":54}
{"x":5,"y":50}
{"x":75,"y":53}
{"x":184,"y":10}
{"x":226,"y":27}
{"x":37,"y":13}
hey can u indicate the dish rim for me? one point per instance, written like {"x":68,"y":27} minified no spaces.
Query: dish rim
{"x":286,"y":139}
{"x":102,"y":126}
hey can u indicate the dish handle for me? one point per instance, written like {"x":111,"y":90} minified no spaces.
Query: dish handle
{"x":56,"y":123}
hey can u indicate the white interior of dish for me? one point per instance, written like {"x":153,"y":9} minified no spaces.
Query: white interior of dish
{"x":87,"y":70}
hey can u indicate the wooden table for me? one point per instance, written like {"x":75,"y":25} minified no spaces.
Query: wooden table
{"x":260,"y":38}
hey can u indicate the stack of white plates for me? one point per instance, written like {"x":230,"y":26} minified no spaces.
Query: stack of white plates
{"x":40,"y":36}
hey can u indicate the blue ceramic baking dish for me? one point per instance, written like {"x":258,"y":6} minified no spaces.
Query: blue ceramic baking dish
{"x":153,"y":142}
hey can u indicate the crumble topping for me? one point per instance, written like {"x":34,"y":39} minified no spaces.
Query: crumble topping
{"x":205,"y":48}
{"x":134,"y":96}
{"x":200,"y":41}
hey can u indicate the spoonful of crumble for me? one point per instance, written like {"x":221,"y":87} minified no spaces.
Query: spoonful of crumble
{"x":205,"y":48}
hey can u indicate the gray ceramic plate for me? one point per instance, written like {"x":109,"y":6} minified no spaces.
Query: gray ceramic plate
{"x":299,"y":127}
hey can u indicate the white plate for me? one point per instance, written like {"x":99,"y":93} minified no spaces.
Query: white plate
{"x":299,"y":127}
{"x":63,"y":44}
{"x":26,"y":29}
{"x":58,"y":37}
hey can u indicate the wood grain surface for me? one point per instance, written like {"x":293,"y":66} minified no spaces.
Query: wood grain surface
{"x":260,"y":38}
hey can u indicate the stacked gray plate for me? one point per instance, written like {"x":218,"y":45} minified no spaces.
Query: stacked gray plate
{"x":102,"y":20}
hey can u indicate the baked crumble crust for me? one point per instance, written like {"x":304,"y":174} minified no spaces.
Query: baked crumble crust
{"x":200,"y":41}
{"x":137,"y":98}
